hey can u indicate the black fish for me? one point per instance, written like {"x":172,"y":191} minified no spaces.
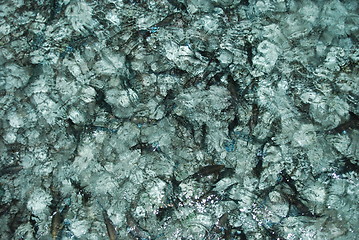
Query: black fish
{"x":110,"y":227}
{"x":233,"y":88}
{"x":289,"y":181}
{"x":172,"y":18}
{"x":134,"y":230}
{"x":111,"y":230}
{"x":81,"y":190}
{"x":10,"y":170}
{"x":253,"y":121}
{"x":352,"y":123}
{"x":258,"y":169}
{"x":299,"y":207}
{"x":232,"y":125}
{"x":57,"y":221}
{"x":207,"y":170}
{"x":220,"y":229}
{"x":178,"y":4}
{"x":101,"y":102}
{"x":272,"y":234}
{"x":185,"y":123}
{"x":249,"y":50}
{"x":146,"y":147}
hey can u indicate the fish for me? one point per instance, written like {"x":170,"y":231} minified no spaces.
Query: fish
{"x":239,"y":233}
{"x":57,"y":225}
{"x":111,"y":230}
{"x":55,"y":8}
{"x":348,"y":166}
{"x":249,"y":50}
{"x":110,"y":227}
{"x":57,"y":221}
{"x":134,"y":230}
{"x":178,"y":4}
{"x":172,"y":18}
{"x":101,"y":102}
{"x":220,"y":229}
{"x":81,"y":190}
{"x":258,"y":169}
{"x":233,"y":88}
{"x":10,"y":170}
{"x":146,"y":147}
{"x":183,"y":121}
{"x":203,"y":138}
{"x":59,"y":209}
{"x":352,"y":123}
{"x":164,"y":212}
{"x":289,"y":181}
{"x":232,"y":125}
{"x":253,"y":121}
{"x":207,"y":170}
{"x":272,"y":234}
{"x":215,"y":79}
{"x":299,"y":206}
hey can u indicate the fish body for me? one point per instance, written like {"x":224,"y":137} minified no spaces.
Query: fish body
{"x":352,"y":123}
{"x":299,"y":206}
{"x":58,"y":217}
{"x":110,"y":227}
{"x":10,"y":170}
{"x":134,"y":230}
{"x":111,"y":230}
{"x":207,"y":170}
{"x":57,"y":225}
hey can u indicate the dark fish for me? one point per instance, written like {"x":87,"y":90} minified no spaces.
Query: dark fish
{"x":165,"y":212}
{"x":57,"y":221}
{"x":185,"y":123}
{"x":221,"y":229}
{"x":258,"y":169}
{"x":111,"y":230}
{"x":253,"y":121}
{"x":238,"y":233}
{"x":221,"y":224}
{"x":82,"y":191}
{"x":57,"y":225}
{"x":272,"y":234}
{"x":288,"y":180}
{"x":232,"y":125}
{"x":226,"y":173}
{"x":300,"y":207}
{"x":100,"y":100}
{"x":244,"y":2}
{"x":207,"y":170}
{"x":59,"y":209}
{"x":206,"y":54}
{"x":146,"y":147}
{"x":233,"y":88}
{"x":172,"y":18}
{"x":34,"y":225}
{"x":348,"y":166}
{"x":55,"y":9}
{"x":203,"y":136}
{"x":76,"y":131}
{"x":168,"y":102}
{"x":178,"y":4}
{"x":10,"y":170}
{"x":134,"y":230}
{"x":110,"y":227}
{"x":352,"y":123}
{"x":192,"y":81}
{"x":215,"y":80}
{"x":249,"y":50}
